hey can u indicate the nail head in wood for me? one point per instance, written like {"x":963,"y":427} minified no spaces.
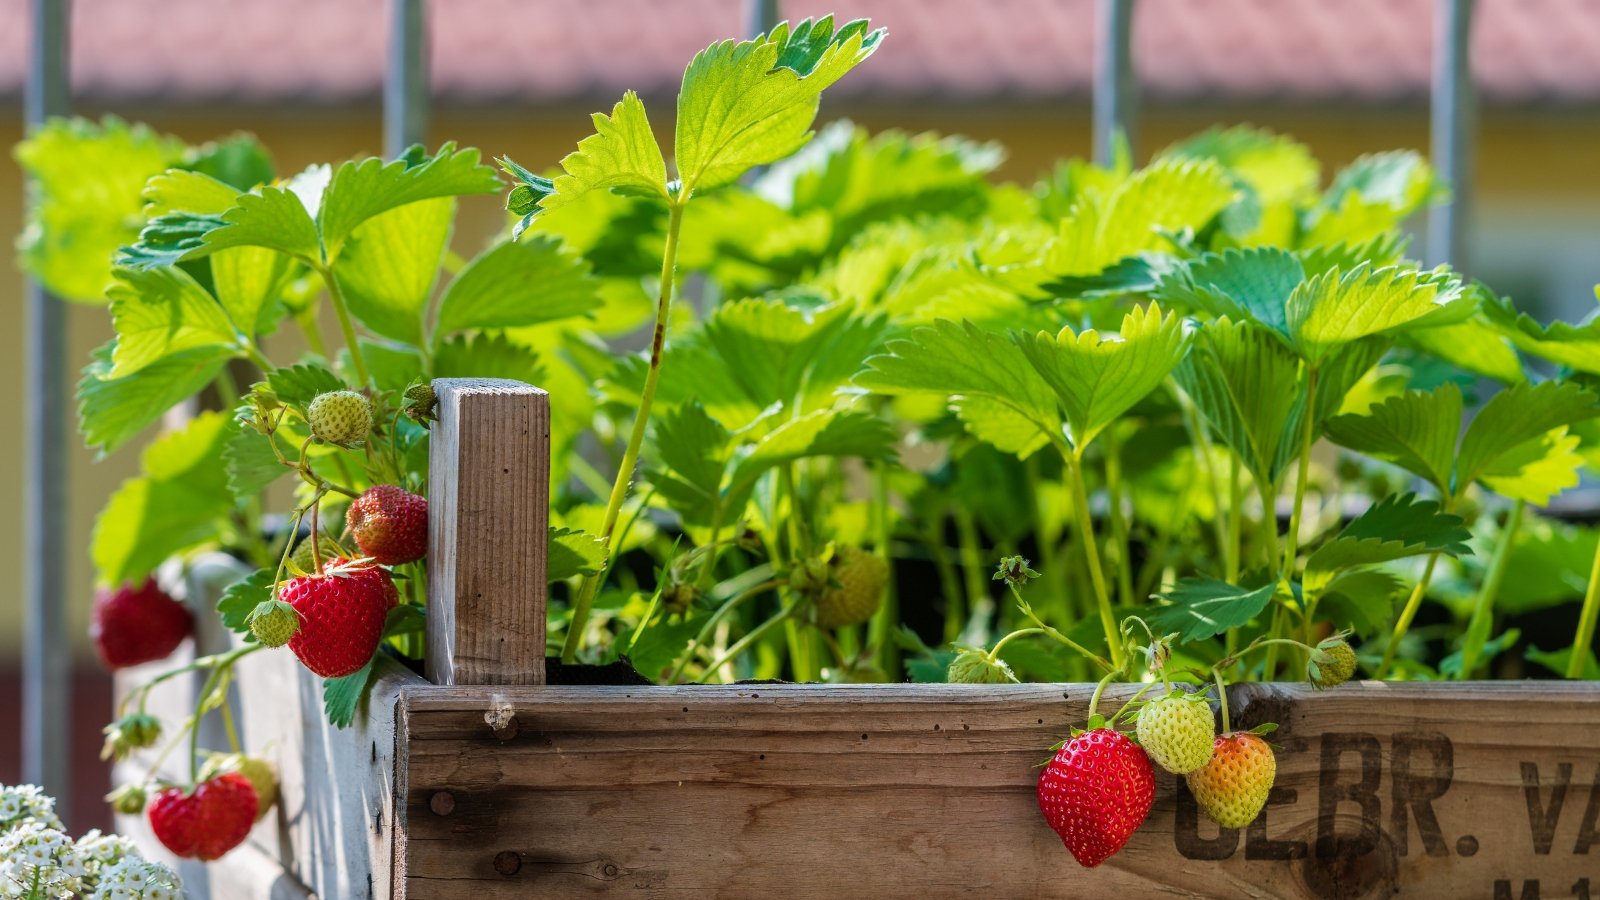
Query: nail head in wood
{"x":443,"y":803}
{"x":507,"y":862}
{"x":488,"y":520}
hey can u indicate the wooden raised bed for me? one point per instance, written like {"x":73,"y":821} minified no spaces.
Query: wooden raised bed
{"x":483,"y":782}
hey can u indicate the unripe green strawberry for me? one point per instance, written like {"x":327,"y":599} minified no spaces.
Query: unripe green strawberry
{"x":128,"y":799}
{"x":1232,"y":789}
{"x":1177,"y":731}
{"x":1333,"y":663}
{"x":255,"y":770}
{"x":340,"y":417}
{"x":862,"y":578}
{"x":973,"y":666}
{"x":301,"y":560}
{"x":274,"y":622}
{"x":134,"y":731}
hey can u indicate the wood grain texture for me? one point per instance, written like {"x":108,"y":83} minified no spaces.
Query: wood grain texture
{"x":488,"y":520}
{"x":928,"y":790}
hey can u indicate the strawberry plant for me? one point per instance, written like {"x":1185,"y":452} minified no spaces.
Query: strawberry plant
{"x":1213,"y":422}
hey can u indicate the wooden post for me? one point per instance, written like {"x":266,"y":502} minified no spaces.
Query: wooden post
{"x":488,"y":524}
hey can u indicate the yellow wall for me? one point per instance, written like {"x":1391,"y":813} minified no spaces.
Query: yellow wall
{"x":1535,"y":171}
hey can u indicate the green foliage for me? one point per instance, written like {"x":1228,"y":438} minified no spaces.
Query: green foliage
{"x":518,"y":283}
{"x":1392,"y":528}
{"x":745,"y":104}
{"x":1205,"y":607}
{"x":172,"y":506}
{"x":86,"y":178}
{"x":341,"y":697}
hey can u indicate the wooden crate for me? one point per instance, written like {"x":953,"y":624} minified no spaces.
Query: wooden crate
{"x":483,"y":782}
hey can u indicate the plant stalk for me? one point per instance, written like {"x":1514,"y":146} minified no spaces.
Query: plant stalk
{"x":1482,"y":620}
{"x":590,"y":587}
{"x":1303,"y":472}
{"x":1409,"y":612}
{"x":336,"y":294}
{"x":1091,"y":552}
{"x":1582,"y":641}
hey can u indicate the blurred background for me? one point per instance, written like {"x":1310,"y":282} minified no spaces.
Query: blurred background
{"x":520,"y":77}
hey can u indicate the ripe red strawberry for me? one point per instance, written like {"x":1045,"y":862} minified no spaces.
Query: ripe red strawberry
{"x":341,"y":615}
{"x":1233,"y":787}
{"x":389,"y":525}
{"x":1096,"y":792}
{"x":207,"y":823}
{"x":133,"y":625}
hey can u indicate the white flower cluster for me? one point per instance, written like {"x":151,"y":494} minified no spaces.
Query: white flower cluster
{"x":38,"y":861}
{"x":26,"y":803}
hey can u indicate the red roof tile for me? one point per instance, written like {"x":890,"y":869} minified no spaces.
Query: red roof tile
{"x":315,"y":51}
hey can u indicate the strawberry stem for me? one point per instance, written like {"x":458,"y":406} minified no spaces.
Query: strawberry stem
{"x":1586,"y":621}
{"x":590,"y":587}
{"x":1222,"y":700}
{"x":1094,"y":699}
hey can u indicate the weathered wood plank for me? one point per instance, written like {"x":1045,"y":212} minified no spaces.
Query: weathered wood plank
{"x":488,"y":517}
{"x":333,"y":832}
{"x":901,"y":790}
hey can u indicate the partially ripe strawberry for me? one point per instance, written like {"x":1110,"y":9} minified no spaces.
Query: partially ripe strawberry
{"x":862,"y":578}
{"x":255,"y":770}
{"x":133,"y":625}
{"x":1096,"y":793}
{"x":1177,"y":731}
{"x":342,"y":612}
{"x":1232,"y":789}
{"x":389,"y":525}
{"x":340,"y":417}
{"x":207,"y":823}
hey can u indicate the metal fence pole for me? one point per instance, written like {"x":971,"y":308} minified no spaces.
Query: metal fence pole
{"x":405,"y":83}
{"x":1451,"y":118}
{"x":760,"y":16}
{"x":47,"y":649}
{"x":1115,"y":91}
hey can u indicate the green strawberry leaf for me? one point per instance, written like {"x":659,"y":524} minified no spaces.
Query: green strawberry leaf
{"x":407,"y":618}
{"x":777,"y":353}
{"x":826,"y":432}
{"x":1513,"y":417}
{"x":341,"y":697}
{"x":86,"y":179}
{"x":111,"y":411}
{"x":162,"y":311}
{"x":172,"y":507}
{"x":249,"y":283}
{"x":1237,"y":375}
{"x":1574,"y":346}
{"x":1536,"y":470}
{"x":690,"y":461}
{"x":1557,"y":660}
{"x":1385,"y":249}
{"x":1416,"y":430}
{"x":1372,"y":195}
{"x":1361,"y":600}
{"x":488,"y":356}
{"x":961,"y":359}
{"x":1252,"y":284}
{"x":1392,"y":528}
{"x":1276,"y":168}
{"x":574,"y":552}
{"x":519,"y":283}
{"x":242,"y":597}
{"x":1333,"y":309}
{"x":183,"y":191}
{"x":622,"y":155}
{"x":1202,"y":608}
{"x":1475,"y":346}
{"x":1168,"y":196}
{"x":361,"y":190}
{"x":390,"y":263}
{"x":299,"y":384}
{"x":750,"y":103}
{"x":250,"y":462}
{"x":1095,"y":379}
{"x":237,"y":160}
{"x":274,"y":218}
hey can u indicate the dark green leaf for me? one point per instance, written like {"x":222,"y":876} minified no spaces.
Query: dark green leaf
{"x":298,"y":385}
{"x":341,"y":697}
{"x":242,"y":597}
{"x":361,"y":190}
{"x":1206,"y":607}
